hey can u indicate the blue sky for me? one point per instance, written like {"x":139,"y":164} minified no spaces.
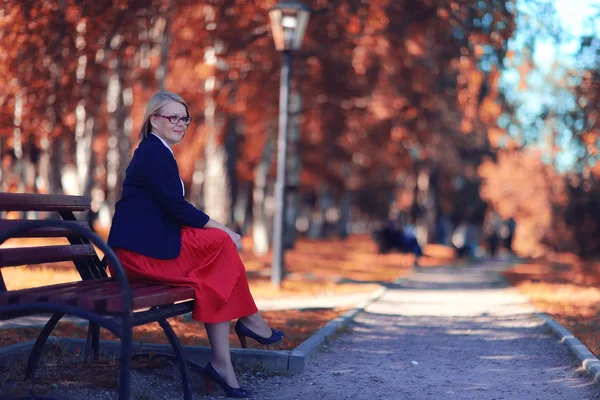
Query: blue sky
{"x":573,"y":16}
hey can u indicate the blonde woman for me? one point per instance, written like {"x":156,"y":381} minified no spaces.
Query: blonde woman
{"x":159,"y":237}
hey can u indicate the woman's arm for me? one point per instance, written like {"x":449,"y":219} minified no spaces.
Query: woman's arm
{"x":162,"y":176}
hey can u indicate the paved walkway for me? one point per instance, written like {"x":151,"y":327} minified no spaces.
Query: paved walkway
{"x":443,"y":333}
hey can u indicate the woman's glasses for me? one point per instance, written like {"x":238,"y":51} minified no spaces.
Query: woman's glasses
{"x":174,"y":119}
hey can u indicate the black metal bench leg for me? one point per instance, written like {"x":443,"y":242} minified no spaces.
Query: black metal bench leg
{"x":38,"y":347}
{"x":125,"y":363}
{"x":187,"y":391}
{"x":93,"y":341}
{"x":96,"y":341}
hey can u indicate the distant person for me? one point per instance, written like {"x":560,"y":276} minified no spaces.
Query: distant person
{"x":396,"y":235}
{"x":443,"y":230}
{"x":159,"y":237}
{"x":510,"y":228}
{"x":410,"y":242}
{"x":459,"y":240}
{"x":492,"y":226}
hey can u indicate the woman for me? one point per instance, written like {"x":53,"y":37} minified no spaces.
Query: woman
{"x":160,"y":237}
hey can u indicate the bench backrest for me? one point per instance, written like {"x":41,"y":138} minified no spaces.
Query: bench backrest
{"x":79,"y":250}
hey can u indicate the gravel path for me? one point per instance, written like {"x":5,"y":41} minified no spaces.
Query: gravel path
{"x":443,"y":333}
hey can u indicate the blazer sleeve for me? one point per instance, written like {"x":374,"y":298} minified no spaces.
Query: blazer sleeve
{"x":162,"y":175}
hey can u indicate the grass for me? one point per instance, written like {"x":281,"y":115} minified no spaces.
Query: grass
{"x":323,"y":268}
{"x":298,"y":325}
{"x":567,"y":289}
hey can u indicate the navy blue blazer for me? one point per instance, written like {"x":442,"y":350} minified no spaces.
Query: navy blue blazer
{"x":152,"y":210}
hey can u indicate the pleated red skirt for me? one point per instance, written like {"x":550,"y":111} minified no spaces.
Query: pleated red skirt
{"x":208,"y":262}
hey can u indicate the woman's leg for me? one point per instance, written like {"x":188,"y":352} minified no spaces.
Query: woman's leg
{"x":257,"y":324}
{"x":218,"y":336}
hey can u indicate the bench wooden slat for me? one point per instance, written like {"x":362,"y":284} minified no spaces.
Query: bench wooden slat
{"x":79,"y":292}
{"x":44,"y":254}
{"x":101,"y":295}
{"x":155,"y":295}
{"x":42,"y":202}
{"x":42,"y":293}
{"x":40,"y":232}
{"x":169,"y":295}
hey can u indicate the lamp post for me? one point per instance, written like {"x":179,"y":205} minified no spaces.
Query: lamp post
{"x":289,"y":19}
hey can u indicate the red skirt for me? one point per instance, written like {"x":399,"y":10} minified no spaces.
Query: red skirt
{"x":208,"y":262}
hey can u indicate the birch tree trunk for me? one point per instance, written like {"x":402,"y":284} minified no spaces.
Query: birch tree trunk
{"x":217,"y":189}
{"x":196,"y":194}
{"x":218,"y":193}
{"x":85,"y":126}
{"x":2,"y":172}
{"x":116,"y":124}
{"x":243,"y":208}
{"x":56,"y":162}
{"x":165,"y":42}
{"x":261,"y":221}
{"x":51,"y":159}
{"x":19,"y":164}
{"x":425,"y":208}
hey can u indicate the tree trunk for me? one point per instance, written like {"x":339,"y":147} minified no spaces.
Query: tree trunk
{"x":345,"y":204}
{"x":425,"y":210}
{"x":56,"y":164}
{"x":217,"y":185}
{"x":19,"y":162}
{"x":318,"y":224}
{"x":196,"y":194}
{"x":242,"y":210}
{"x":231,"y":142}
{"x":220,"y":145}
{"x":126,"y":125}
{"x":2,"y":172}
{"x":83,"y":147}
{"x":262,"y":225}
{"x":293,"y":168}
{"x":117,"y":141}
{"x":161,"y":71}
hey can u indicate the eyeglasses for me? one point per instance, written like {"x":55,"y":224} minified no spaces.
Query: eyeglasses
{"x":174,"y":119}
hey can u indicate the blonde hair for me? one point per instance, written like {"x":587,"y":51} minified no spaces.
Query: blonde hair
{"x":156,"y":102}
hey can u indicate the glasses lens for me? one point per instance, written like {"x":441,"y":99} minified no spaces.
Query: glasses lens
{"x":174,"y":119}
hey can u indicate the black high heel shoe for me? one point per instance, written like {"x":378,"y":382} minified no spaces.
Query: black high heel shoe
{"x":243,"y":331}
{"x":210,"y":375}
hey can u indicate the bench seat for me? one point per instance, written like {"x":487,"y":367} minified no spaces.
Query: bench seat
{"x":101,"y":296}
{"x":111,"y":303}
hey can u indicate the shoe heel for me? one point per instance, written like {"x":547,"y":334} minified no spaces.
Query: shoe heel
{"x":209,"y":385}
{"x":243,"y":341}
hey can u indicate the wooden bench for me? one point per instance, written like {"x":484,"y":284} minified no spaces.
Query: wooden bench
{"x":112,"y":303}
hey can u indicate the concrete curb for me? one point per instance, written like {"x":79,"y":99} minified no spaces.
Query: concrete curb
{"x":588,"y":360}
{"x":292,"y":361}
{"x":301,"y":354}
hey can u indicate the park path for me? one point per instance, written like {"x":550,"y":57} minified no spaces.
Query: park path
{"x":441,"y":333}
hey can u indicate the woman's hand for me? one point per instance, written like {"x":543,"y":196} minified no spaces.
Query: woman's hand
{"x":237,"y":239}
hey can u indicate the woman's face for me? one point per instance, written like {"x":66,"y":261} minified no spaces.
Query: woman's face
{"x":171,"y":133}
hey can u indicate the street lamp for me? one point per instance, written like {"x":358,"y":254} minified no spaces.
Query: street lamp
{"x":289,"y":19}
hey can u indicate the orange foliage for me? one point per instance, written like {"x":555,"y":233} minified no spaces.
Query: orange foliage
{"x":519,"y":185}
